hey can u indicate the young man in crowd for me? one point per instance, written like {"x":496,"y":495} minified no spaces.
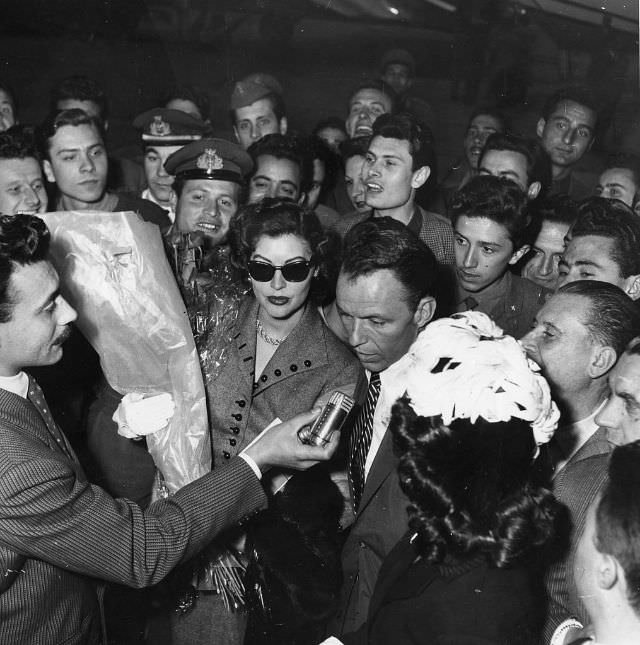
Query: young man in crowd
{"x":567,"y":130}
{"x":484,"y":122}
{"x":519,"y":159}
{"x":578,"y":336}
{"x":398,"y":162}
{"x":398,"y":70}
{"x":492,"y":226}
{"x":555,"y":215}
{"x":22,"y":187}
{"x":75,"y":159}
{"x":257,"y":109}
{"x":282,"y":168}
{"x":621,"y":180}
{"x":607,"y":564}
{"x":209,"y":177}
{"x":164,"y":131}
{"x":604,"y":246}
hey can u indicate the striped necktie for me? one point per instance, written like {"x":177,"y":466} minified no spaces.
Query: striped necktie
{"x":361,"y":439}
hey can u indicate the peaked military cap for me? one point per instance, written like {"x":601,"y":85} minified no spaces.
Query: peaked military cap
{"x":165,"y":127}
{"x":210,"y":159}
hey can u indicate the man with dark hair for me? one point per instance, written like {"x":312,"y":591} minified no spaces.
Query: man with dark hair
{"x":257,"y":109}
{"x":492,"y":230}
{"x":7,"y":107}
{"x":71,"y":144}
{"x":607,"y":563}
{"x":189,"y":99}
{"x":83,"y":93}
{"x":21,"y":182}
{"x":367,"y":102}
{"x":566,"y":130}
{"x":604,"y":244}
{"x":555,"y":215}
{"x":59,"y":534}
{"x":621,"y":180}
{"x":282,"y":168}
{"x":483,"y":122}
{"x":398,"y":162}
{"x":577,"y":338}
{"x":398,"y":70}
{"x":384,"y":297}
{"x":519,"y":159}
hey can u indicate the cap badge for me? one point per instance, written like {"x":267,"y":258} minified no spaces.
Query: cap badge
{"x":159,"y":128}
{"x":210,"y":160}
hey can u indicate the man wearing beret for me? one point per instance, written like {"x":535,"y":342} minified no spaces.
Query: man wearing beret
{"x":209,"y":175}
{"x":165,"y":131}
{"x":257,"y":108}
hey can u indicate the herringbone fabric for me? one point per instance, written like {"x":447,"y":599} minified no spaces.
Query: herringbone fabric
{"x":361,"y":439}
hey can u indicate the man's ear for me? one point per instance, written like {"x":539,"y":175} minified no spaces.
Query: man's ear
{"x":48,"y":171}
{"x":540,"y":127}
{"x":517,"y":255}
{"x":632,"y":286}
{"x":607,"y":572}
{"x":420,"y":176}
{"x":603,"y":358}
{"x":424,"y":311}
{"x":534,"y":190}
{"x":283,"y":125}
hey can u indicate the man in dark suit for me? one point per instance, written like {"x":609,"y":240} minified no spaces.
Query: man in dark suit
{"x":577,"y":338}
{"x":58,"y":533}
{"x":384,"y":298}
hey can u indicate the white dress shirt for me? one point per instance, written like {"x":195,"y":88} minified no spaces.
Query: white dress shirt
{"x":18,"y":384}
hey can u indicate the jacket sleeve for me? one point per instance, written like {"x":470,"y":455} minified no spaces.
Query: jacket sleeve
{"x":47,"y":512}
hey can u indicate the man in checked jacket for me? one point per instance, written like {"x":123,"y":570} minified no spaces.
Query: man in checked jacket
{"x":60,"y":535}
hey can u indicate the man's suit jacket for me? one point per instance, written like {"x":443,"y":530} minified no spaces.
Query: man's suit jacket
{"x":457,"y":602}
{"x":72,"y":533}
{"x":576,"y":486}
{"x":310,"y":364}
{"x":380,"y":522}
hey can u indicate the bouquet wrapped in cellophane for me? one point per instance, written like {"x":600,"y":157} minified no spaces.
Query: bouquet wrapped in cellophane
{"x":212,"y":291}
{"x":114,"y":271}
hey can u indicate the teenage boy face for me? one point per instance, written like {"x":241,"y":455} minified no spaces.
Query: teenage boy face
{"x":483,"y":252}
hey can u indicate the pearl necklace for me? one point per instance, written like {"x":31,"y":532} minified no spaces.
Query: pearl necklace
{"x":263,"y":334}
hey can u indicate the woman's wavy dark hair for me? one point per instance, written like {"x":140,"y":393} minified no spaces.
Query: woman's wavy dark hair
{"x":276,"y":217}
{"x":470,"y":487}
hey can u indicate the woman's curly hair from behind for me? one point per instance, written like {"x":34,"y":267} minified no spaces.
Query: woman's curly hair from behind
{"x":470,"y":488}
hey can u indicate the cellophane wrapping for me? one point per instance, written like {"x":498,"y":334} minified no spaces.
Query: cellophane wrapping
{"x":114,"y":272}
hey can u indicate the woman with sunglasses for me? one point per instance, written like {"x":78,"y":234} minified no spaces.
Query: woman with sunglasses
{"x":281,"y":360}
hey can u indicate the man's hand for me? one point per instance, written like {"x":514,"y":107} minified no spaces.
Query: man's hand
{"x":280,"y":446}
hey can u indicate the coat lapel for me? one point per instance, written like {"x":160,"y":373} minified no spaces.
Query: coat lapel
{"x":384,"y":464}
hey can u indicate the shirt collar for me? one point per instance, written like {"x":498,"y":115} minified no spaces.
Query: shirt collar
{"x":18,"y":384}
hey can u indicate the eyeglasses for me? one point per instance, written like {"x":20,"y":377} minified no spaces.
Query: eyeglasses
{"x":293,"y":272}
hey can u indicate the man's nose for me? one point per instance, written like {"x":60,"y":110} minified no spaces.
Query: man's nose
{"x":31,"y":197}
{"x":529,"y":343}
{"x":547,"y":265}
{"x":569,"y":136}
{"x":66,"y":313}
{"x":356,"y":333}
{"x":87,"y":164}
{"x":470,"y":259}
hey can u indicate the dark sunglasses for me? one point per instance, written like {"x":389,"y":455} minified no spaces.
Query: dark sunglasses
{"x":293,"y":272}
